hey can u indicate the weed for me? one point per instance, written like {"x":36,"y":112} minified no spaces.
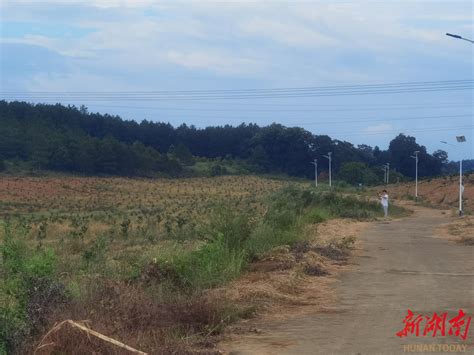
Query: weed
{"x":124,"y":228}
{"x":41,"y":233}
{"x":26,"y":289}
{"x":96,"y":252}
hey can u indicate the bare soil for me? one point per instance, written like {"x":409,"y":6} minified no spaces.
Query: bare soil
{"x":441,"y":192}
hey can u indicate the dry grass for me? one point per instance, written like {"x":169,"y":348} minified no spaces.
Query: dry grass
{"x":460,"y":230}
{"x":86,"y":194}
{"x":127,"y":313}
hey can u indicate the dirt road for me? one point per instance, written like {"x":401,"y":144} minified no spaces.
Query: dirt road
{"x":402,"y":265}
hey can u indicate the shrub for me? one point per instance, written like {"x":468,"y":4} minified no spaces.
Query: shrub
{"x":317,"y":215}
{"x":26,"y":285}
{"x":96,"y":251}
{"x":265,"y":237}
{"x":213,"y":264}
{"x":223,"y":256}
{"x":231,"y":226}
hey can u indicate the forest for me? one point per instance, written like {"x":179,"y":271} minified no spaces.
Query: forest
{"x":73,"y":140}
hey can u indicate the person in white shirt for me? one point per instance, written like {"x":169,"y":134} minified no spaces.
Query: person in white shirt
{"x":384,"y":201}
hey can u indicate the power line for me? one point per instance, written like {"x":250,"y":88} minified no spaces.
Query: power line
{"x":233,"y":110}
{"x":240,"y":97}
{"x":255,"y":93}
{"x":299,"y":105}
{"x":231,"y":91}
{"x":394,"y":131}
{"x":327,"y":120}
{"x":384,"y":120}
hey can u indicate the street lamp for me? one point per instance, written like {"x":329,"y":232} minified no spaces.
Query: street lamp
{"x":329,"y":157}
{"x":460,"y":139}
{"x":416,"y":171}
{"x":387,"y":172}
{"x":459,"y":37}
{"x":315,"y":163}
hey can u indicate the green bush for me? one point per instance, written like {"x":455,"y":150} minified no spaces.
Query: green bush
{"x":317,"y":215}
{"x":232,"y":226}
{"x":265,"y":237}
{"x":213,"y":264}
{"x":223,"y":255}
{"x":22,"y":270}
{"x":95,"y":252}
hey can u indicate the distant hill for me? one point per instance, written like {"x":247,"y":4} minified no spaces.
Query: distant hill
{"x":71,"y":139}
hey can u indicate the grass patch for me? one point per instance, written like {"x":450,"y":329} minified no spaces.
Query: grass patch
{"x":233,"y":239}
{"x":28,"y":290}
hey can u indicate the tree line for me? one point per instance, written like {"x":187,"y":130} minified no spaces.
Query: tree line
{"x":71,"y":139}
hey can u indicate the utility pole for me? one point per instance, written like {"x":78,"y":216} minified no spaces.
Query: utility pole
{"x":386,"y":168}
{"x":461,"y":188}
{"x":388,"y":173}
{"x":416,"y":172}
{"x":315,"y":163}
{"x":460,"y":139}
{"x":329,"y":157}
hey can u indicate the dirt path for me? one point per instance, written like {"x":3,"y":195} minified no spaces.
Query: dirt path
{"x":402,"y":265}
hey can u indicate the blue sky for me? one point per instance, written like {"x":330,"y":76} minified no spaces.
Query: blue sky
{"x":144,"y":45}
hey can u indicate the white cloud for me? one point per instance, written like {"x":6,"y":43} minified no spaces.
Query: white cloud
{"x":76,"y":80}
{"x":289,"y":33}
{"x":96,"y":3}
{"x":224,"y":63}
{"x":249,"y":37}
{"x":379,"y":128}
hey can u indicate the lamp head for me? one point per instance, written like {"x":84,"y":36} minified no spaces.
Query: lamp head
{"x":455,"y":36}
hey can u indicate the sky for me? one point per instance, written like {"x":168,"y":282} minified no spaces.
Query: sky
{"x":134,"y":46}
